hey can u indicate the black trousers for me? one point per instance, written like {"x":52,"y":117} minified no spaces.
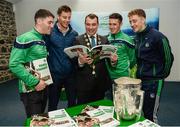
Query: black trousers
{"x":55,"y":91}
{"x":90,"y":88}
{"x":152,"y":94}
{"x":92,"y":91}
{"x":34,"y":102}
{"x":89,"y":96}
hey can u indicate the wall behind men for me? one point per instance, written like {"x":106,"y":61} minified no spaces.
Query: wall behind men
{"x":169,"y":17}
{"x":7,"y":36}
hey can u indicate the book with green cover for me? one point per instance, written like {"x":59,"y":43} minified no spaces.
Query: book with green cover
{"x":40,"y":69}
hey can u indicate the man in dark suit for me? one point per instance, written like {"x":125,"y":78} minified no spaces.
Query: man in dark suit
{"x":92,"y":77}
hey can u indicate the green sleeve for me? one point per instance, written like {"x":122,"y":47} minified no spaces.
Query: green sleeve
{"x":131,"y":55}
{"x":16,"y":65}
{"x":167,"y":56}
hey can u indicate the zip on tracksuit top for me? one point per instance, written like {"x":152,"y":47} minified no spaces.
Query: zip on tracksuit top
{"x":27,"y":47}
{"x":61,"y":66}
{"x":125,"y":52}
{"x":154,"y":56}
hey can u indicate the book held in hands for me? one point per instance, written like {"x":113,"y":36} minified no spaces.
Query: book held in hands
{"x":40,"y":69}
{"x":97,"y":52}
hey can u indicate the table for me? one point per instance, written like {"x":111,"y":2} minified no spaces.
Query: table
{"x":77,"y":109}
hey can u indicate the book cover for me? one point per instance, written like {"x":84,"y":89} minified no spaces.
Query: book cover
{"x":108,"y":109}
{"x":96,"y":116}
{"x":55,"y":118}
{"x":40,"y":69}
{"x":104,"y":119}
{"x":61,"y":119}
{"x":40,"y":120}
{"x":145,"y":123}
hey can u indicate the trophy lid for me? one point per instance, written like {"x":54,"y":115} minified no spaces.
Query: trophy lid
{"x":127,"y":80}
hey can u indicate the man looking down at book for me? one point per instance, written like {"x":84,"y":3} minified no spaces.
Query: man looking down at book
{"x":92,"y":75}
{"x":125,"y":49}
{"x":28,"y":47}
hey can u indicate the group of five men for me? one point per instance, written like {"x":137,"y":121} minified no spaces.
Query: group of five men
{"x":151,"y":52}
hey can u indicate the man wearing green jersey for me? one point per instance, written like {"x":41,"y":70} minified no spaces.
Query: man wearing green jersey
{"x":28,"y":47}
{"x":125,"y":48}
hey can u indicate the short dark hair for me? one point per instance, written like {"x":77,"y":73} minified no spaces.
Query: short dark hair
{"x":92,"y":16}
{"x":64,"y":8}
{"x":42,"y":13}
{"x":139,"y":12}
{"x":116,"y":16}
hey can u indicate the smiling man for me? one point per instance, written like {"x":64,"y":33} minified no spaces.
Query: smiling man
{"x":125,"y":46}
{"x":61,"y":66}
{"x":154,"y":61}
{"x":125,"y":52}
{"x":91,"y":86}
{"x":33,"y":91}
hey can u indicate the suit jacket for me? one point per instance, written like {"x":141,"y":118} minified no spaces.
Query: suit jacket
{"x":86,"y":81}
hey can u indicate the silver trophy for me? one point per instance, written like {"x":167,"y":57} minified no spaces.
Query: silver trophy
{"x":127,"y":98}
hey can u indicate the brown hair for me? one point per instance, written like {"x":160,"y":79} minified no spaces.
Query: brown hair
{"x":116,"y":16}
{"x":64,"y":8}
{"x":139,"y":12}
{"x":92,"y":16}
{"x":42,"y":13}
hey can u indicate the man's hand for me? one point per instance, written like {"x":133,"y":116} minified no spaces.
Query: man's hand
{"x":40,"y":86}
{"x":114,"y":58}
{"x":84,"y":58}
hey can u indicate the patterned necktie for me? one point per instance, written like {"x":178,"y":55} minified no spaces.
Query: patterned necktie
{"x":93,"y":43}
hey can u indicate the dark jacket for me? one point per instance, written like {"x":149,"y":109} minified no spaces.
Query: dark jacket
{"x":154,"y":56}
{"x":86,"y":81}
{"x":59,"y":63}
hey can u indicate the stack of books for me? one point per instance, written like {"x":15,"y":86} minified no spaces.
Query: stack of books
{"x":55,"y":118}
{"x":90,"y":116}
{"x":101,"y":116}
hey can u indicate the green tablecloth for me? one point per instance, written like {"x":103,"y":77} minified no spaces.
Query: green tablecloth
{"x":77,"y":109}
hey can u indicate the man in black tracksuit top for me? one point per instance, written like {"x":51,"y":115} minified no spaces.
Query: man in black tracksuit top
{"x":154,"y":61}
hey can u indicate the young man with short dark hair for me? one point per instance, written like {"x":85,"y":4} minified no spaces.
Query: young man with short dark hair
{"x":28,"y":47}
{"x":63,"y":69}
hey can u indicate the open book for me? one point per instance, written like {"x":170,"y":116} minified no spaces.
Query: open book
{"x":40,"y":69}
{"x":99,"y":51}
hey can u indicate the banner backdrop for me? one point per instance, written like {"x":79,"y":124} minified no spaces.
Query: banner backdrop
{"x":78,"y":18}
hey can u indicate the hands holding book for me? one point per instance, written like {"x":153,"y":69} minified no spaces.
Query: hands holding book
{"x":113,"y":58}
{"x":41,"y":85}
{"x":84,"y":58}
{"x":93,"y":55}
